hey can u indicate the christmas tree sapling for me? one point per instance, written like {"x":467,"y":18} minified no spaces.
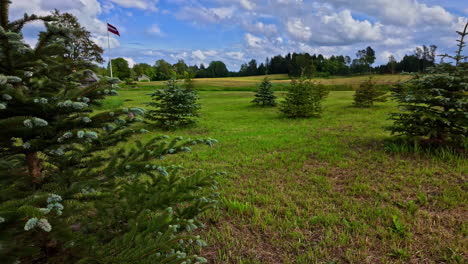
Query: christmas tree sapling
{"x":435,"y":106}
{"x":368,"y":93}
{"x":174,"y":106}
{"x":265,"y":96}
{"x":303,"y":99}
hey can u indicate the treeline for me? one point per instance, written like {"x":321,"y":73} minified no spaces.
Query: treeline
{"x":293,"y":64}
{"x":419,"y":61}
{"x":163,"y":70}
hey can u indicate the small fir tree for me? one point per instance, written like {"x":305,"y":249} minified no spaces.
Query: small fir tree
{"x":265,"y":96}
{"x":66,"y":197}
{"x":174,"y":106}
{"x":435,"y":106}
{"x":189,"y":84}
{"x":368,"y":93}
{"x":303,"y":99}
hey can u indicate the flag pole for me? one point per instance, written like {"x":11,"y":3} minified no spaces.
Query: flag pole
{"x":108,"y":44}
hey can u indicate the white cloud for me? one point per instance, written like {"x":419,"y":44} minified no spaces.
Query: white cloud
{"x":180,"y":56}
{"x":138,"y":4}
{"x":268,"y":30}
{"x":329,"y":29}
{"x":398,"y":12}
{"x":153,"y":53}
{"x":394,"y":41}
{"x":247,"y":4}
{"x":155,"y":30}
{"x":298,"y":30}
{"x":200,"y":15}
{"x":102,"y":42}
{"x":345,"y":29}
{"x":130,"y":61}
{"x":211,"y":53}
{"x":198,"y":55}
{"x":236,"y":55}
{"x":253,"y":41}
{"x":223,"y":12}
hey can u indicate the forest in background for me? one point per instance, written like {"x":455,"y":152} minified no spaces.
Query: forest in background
{"x":293,"y":64}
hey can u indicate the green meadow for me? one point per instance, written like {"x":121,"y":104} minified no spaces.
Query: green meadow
{"x":319,"y":190}
{"x":280,"y":82}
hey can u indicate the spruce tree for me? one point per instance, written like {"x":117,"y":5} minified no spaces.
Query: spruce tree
{"x":303,"y":99}
{"x":174,"y":106}
{"x":265,"y":96}
{"x":189,"y":84}
{"x":435,"y":106}
{"x":368,"y":93}
{"x":66,"y":196}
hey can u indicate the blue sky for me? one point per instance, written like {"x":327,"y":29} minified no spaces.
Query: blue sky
{"x":235,"y":31}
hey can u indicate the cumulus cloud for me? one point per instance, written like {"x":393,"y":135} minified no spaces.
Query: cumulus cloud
{"x":254,"y":41}
{"x":298,"y":30}
{"x":198,"y":55}
{"x":345,"y":29}
{"x":131,"y":62}
{"x":398,"y":12}
{"x":333,"y":29}
{"x":268,"y":30}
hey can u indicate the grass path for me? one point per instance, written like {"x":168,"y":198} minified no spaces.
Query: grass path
{"x":322,"y":190}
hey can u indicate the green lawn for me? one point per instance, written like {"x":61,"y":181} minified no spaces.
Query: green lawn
{"x":321,"y":190}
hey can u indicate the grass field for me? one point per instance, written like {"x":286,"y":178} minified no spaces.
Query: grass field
{"x":279,"y":81}
{"x":321,"y":190}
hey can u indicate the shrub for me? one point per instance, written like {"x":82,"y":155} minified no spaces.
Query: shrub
{"x":130,"y":81}
{"x":368,"y":93}
{"x":265,"y":96}
{"x":175,"y":106}
{"x":434,"y":106}
{"x":303,"y":99}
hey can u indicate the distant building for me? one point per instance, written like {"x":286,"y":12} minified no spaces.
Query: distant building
{"x":89,"y":78}
{"x":143,"y":78}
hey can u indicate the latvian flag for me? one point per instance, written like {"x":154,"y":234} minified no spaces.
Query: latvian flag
{"x":112,"y":29}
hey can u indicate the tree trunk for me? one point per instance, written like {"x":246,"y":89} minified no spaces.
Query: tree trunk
{"x":34,"y":167}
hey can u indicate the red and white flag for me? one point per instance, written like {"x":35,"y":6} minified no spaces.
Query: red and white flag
{"x":112,"y":29}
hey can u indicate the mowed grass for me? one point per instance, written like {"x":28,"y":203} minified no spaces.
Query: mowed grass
{"x":321,"y":190}
{"x":280,"y":82}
